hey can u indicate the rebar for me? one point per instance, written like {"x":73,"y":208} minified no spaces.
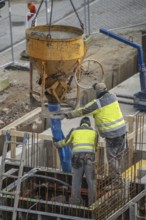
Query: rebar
{"x":49,"y":190}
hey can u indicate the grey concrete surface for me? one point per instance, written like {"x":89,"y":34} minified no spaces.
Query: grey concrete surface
{"x":18,"y":19}
{"x":110,"y":14}
{"x":127,"y":88}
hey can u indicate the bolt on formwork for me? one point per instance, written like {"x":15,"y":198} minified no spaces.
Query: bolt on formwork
{"x":45,"y":190}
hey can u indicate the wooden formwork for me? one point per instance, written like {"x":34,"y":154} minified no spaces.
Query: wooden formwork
{"x":112,"y":198}
{"x":17,"y":131}
{"x":136,"y":125}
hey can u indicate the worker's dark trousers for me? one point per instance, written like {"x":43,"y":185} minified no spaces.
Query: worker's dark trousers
{"x":115,"y":151}
{"x":88,"y":168}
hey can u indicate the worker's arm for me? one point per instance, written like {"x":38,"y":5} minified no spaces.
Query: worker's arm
{"x":86,"y":110}
{"x":66,"y":141}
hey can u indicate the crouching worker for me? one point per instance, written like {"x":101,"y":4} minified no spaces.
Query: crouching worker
{"x":84,"y":142}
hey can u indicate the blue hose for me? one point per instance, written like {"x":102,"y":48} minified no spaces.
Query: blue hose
{"x":65,"y":152}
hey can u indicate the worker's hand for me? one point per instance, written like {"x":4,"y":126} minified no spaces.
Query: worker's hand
{"x":68,"y":115}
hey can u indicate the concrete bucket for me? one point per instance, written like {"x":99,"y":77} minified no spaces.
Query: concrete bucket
{"x":56,"y":51}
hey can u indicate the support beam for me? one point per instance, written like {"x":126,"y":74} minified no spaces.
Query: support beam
{"x":25,"y":119}
{"x":13,"y":145}
{"x":16,"y":133}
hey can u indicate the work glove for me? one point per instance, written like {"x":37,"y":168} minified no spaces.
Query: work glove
{"x":68,"y":115}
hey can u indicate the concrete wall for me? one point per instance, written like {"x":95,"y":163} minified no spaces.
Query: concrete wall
{"x":122,"y":71}
{"x":119,"y":72}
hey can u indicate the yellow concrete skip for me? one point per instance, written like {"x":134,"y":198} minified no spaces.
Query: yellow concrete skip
{"x":132,"y":172}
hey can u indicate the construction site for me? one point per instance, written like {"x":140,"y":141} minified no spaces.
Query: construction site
{"x":62,"y":59}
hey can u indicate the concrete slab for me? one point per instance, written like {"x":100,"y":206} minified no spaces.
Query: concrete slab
{"x":127,"y":88}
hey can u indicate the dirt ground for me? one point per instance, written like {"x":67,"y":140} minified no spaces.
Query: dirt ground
{"x":14,"y":101}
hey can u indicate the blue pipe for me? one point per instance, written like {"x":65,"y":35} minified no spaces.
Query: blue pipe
{"x":139,"y":48}
{"x":65,"y":152}
{"x":8,"y":136}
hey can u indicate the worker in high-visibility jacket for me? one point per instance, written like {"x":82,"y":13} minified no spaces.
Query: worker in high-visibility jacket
{"x":110,"y":124}
{"x":84,"y":142}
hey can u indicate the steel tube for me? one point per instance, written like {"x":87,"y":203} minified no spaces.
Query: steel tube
{"x":11,"y":32}
{"x":10,"y":209}
{"x":139,"y":48}
{"x":47,"y":5}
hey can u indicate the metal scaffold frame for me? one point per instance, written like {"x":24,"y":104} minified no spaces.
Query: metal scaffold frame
{"x":131,"y":205}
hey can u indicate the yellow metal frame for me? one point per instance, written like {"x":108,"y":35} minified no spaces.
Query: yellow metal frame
{"x":56,"y":59}
{"x":49,"y":49}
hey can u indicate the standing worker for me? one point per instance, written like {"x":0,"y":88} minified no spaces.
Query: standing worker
{"x":32,"y":11}
{"x":110,"y":124}
{"x":84,"y":141}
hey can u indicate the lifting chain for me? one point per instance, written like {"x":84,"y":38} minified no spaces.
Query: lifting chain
{"x":33,"y":21}
{"x":81,"y":24}
{"x":51,"y":12}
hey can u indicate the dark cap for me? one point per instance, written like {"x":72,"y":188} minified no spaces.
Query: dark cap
{"x":85,"y":120}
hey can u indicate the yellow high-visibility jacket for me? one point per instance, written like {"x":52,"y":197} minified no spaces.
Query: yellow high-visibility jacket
{"x":83,"y":139}
{"x":108,"y":116}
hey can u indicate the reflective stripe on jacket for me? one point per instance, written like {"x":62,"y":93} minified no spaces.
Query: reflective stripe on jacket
{"x":84,"y":139}
{"x":108,"y":116}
